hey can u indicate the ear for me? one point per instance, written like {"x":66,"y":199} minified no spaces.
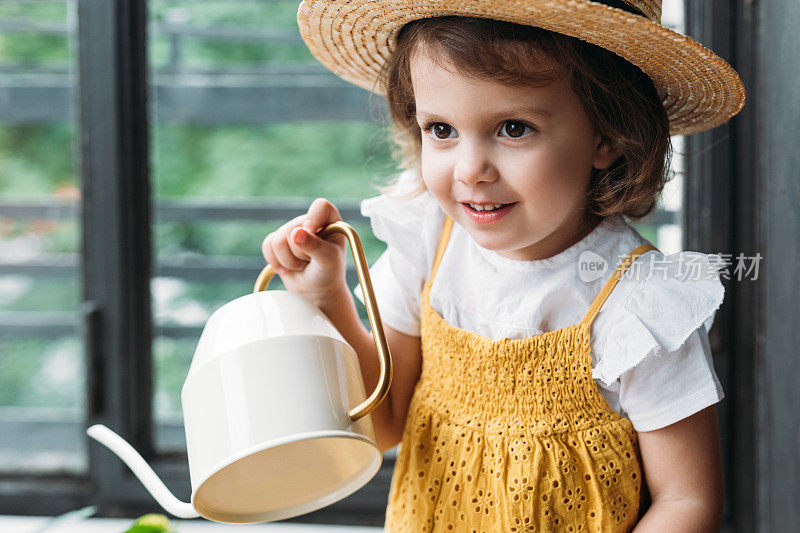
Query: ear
{"x":604,"y":153}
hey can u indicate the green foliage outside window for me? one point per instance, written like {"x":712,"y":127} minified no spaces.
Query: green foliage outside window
{"x":341,"y":161}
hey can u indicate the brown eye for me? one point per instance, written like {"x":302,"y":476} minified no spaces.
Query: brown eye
{"x":442,"y":131}
{"x":514,"y":129}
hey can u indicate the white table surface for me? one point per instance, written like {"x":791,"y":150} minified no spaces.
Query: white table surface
{"x":31,"y":524}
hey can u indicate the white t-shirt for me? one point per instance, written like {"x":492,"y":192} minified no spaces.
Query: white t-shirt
{"x":651,"y":357}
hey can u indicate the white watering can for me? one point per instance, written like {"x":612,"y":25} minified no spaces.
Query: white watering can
{"x":274,"y":408}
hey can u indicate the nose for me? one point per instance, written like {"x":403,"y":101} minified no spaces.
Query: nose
{"x":474,"y":164}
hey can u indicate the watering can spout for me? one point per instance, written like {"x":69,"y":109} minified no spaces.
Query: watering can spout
{"x":137,"y":464}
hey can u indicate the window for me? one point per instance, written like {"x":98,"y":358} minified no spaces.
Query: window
{"x":42,"y":372}
{"x":247,"y":129}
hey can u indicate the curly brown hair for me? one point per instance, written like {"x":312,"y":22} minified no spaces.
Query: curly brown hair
{"x":620,"y":100}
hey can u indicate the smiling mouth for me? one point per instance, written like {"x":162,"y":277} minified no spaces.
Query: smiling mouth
{"x":484,"y":208}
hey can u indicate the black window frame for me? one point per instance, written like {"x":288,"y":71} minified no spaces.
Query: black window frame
{"x":721,"y":215}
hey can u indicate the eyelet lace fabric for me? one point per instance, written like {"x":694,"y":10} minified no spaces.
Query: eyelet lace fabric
{"x":512,"y":435}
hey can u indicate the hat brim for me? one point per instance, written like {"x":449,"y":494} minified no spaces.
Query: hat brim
{"x":698,"y":89}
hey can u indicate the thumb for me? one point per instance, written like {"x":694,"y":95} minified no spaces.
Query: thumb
{"x":318,"y":249}
{"x":320,"y":213}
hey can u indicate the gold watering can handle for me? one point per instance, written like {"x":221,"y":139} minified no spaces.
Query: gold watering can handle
{"x":384,"y":357}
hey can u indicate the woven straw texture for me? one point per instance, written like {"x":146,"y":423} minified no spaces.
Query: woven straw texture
{"x":698,"y":89}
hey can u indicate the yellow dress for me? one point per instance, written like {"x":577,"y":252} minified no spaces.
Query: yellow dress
{"x":513,"y":435}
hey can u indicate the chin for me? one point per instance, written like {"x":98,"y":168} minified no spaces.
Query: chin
{"x":491,"y":244}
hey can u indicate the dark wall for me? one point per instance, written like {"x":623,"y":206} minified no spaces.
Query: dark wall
{"x":777,"y":149}
{"x":743,"y":197}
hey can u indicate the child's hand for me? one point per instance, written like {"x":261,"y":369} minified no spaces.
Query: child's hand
{"x":307,"y":264}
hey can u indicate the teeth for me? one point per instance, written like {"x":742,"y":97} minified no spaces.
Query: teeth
{"x":486,"y":207}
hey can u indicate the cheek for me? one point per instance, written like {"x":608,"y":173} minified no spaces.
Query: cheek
{"x":570,"y":161}
{"x":575,"y":153}
{"x":438,"y":188}
{"x":436,"y":172}
{"x":551,"y":180}
{"x":433,"y":159}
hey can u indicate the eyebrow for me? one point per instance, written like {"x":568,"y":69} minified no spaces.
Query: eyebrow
{"x":510,"y":112}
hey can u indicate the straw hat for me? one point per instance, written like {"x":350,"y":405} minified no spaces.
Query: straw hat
{"x":698,"y":89}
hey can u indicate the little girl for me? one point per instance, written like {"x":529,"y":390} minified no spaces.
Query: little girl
{"x":552,"y":370}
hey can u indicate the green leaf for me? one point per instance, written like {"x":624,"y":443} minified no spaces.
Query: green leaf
{"x":151,"y":523}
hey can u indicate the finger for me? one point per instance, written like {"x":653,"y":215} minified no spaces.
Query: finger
{"x":280,"y":246}
{"x":284,"y":229}
{"x":282,"y":260}
{"x":320,"y":250}
{"x":320,"y":213}
{"x":298,"y":237}
{"x":269,"y":255}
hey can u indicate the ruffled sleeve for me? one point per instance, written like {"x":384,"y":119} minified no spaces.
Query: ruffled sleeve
{"x":667,"y":387}
{"x":398,"y":275}
{"x":650,"y":339}
{"x":655,"y":306}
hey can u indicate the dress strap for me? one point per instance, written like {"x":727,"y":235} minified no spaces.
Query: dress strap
{"x":609,"y":286}
{"x":448,"y":225}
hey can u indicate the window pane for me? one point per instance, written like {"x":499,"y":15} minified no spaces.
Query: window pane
{"x":42,"y":375}
{"x":247,"y":130}
{"x":664,"y":226}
